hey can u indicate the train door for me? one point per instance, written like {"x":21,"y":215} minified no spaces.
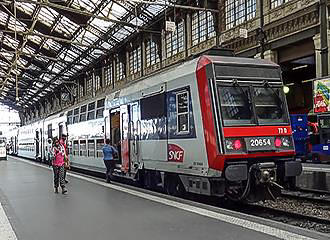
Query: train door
{"x":125,"y":145}
{"x":41,"y":144}
{"x":134,"y":136}
{"x":37,"y":143}
{"x":60,"y":130}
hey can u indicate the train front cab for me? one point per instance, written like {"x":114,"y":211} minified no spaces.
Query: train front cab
{"x":248,"y":134}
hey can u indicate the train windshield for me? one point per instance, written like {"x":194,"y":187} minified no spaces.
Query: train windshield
{"x":269,"y":105}
{"x":252,"y":105}
{"x":235,"y":102}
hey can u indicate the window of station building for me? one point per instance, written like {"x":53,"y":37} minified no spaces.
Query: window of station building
{"x":135,"y":60}
{"x":98,"y":82}
{"x":153,"y":107}
{"x":276,"y":3}
{"x":182,"y":108}
{"x":91,"y":148}
{"x":70,"y":117}
{"x":91,"y":111}
{"x":239,"y":11}
{"x":175,"y":40}
{"x":120,"y":70}
{"x":76,"y":115}
{"x":100,"y":108}
{"x":83,"y":111}
{"x":202,"y":27}
{"x":108,"y":75}
{"x":89,"y":84}
{"x":152,"y":55}
{"x":81,"y":88}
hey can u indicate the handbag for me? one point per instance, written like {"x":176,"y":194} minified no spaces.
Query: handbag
{"x":66,"y":162}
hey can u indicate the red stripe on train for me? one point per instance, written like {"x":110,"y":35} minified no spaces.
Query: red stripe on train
{"x":257,"y":131}
{"x":215,"y":161}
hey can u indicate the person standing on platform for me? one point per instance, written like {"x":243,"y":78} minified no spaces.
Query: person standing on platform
{"x":108,"y":152}
{"x":58,"y":166}
{"x":66,"y":160}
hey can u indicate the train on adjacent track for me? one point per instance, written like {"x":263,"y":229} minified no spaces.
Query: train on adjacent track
{"x":213,"y":125}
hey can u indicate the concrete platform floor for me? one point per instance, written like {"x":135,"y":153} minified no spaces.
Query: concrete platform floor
{"x":96,"y":210}
{"x":315,"y":176}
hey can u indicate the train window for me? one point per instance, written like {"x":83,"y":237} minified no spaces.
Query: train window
{"x":76,"y":111}
{"x":182,"y":106}
{"x":99,"y":147}
{"x":100,"y":108}
{"x":91,"y":115}
{"x":269,"y":105}
{"x":70,"y":148}
{"x":83,"y":110}
{"x":91,"y":106}
{"x":153,"y":107}
{"x":100,"y":103}
{"x":50,"y":131}
{"x":70,"y":120}
{"x":91,"y":148}
{"x":75,"y":148}
{"x":76,"y":115}
{"x":99,"y":113}
{"x":83,"y":148}
{"x":91,"y":111}
{"x":75,"y":119}
{"x":70,"y":113}
{"x":236,"y":106}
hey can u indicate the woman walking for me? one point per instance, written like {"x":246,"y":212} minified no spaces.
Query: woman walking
{"x":108,"y":152}
{"x":58,"y":167}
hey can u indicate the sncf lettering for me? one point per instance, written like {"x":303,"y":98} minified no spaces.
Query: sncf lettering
{"x":175,"y":153}
{"x":175,"y":156}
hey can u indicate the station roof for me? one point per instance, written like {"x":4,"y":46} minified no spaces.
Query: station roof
{"x":56,"y":39}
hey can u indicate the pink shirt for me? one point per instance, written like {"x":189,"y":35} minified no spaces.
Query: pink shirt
{"x":58,"y":157}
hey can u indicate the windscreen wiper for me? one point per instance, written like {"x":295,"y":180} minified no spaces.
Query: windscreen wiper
{"x":246,"y":95}
{"x":279,"y":99}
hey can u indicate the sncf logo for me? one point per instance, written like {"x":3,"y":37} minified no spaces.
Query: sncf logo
{"x":175,"y":153}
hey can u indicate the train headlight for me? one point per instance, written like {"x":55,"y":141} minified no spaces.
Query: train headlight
{"x":229,"y":145}
{"x":282,"y":142}
{"x":233,"y":144}
{"x":286,"y":142}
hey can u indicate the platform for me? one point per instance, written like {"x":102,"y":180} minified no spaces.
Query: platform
{"x":315,"y":177}
{"x":96,"y":210}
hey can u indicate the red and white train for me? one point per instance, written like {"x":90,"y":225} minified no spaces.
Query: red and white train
{"x":214,"y":125}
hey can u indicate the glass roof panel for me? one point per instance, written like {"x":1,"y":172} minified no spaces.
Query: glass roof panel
{"x":46,"y":17}
{"x":78,"y":40}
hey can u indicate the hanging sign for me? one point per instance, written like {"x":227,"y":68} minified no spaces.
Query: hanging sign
{"x":170,"y":26}
{"x":243,"y":33}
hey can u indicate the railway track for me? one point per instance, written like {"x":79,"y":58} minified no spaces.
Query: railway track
{"x":288,"y":217}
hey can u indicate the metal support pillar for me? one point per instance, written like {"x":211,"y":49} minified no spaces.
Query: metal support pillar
{"x":262,"y":33}
{"x":324,"y":37}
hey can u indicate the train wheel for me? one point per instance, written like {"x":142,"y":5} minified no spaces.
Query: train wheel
{"x":173,"y":186}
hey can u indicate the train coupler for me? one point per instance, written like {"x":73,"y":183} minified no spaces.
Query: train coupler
{"x":264,"y":172}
